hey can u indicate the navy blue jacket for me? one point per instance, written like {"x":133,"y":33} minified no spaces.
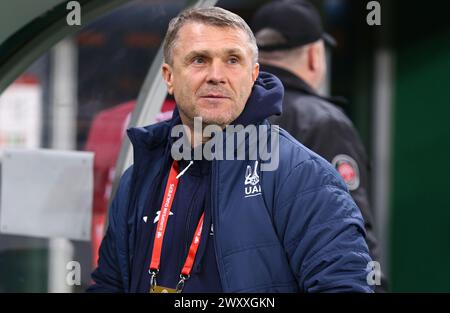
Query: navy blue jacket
{"x":192,"y":198}
{"x":298,"y":231}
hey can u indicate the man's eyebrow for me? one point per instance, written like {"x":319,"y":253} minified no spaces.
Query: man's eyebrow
{"x":234,"y":51}
{"x":194,"y":53}
{"x":207,"y":53}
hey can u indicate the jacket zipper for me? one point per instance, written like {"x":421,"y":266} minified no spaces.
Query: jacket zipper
{"x":186,"y":231}
{"x":215,"y":220}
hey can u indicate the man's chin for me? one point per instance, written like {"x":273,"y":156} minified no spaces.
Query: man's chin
{"x":215,"y":120}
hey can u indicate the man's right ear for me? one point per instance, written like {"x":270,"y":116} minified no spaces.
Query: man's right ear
{"x":166,"y":70}
{"x":314,"y":57}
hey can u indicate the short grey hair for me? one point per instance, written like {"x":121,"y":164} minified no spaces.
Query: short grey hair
{"x":213,"y":16}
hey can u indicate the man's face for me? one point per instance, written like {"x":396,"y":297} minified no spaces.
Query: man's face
{"x":212,"y":73}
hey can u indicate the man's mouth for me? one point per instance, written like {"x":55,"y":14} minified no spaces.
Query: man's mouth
{"x":214,"y":96}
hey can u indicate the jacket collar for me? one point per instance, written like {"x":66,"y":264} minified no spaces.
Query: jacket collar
{"x":289,"y":79}
{"x":292,"y":81}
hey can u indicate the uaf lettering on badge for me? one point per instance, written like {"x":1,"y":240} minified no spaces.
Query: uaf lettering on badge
{"x":186,"y":303}
{"x":252,"y":186}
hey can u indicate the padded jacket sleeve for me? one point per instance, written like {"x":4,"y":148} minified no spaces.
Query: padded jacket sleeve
{"x":107,"y":277}
{"x":322,"y":230}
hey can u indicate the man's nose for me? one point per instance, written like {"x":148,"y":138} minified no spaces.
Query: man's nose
{"x":216,"y":73}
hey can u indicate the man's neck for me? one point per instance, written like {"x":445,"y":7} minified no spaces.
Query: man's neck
{"x":194,"y":129}
{"x":195,"y":135}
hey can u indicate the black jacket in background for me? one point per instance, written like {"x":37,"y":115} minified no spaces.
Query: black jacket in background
{"x":324,"y":128}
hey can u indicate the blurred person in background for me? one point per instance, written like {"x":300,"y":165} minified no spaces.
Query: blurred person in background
{"x":291,"y":42}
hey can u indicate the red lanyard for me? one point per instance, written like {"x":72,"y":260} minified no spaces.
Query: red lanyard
{"x":169,"y":195}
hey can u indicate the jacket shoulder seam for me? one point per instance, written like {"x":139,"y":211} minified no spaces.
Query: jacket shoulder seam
{"x":310,"y":190}
{"x":297,"y":167}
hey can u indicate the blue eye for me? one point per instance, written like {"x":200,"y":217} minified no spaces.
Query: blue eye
{"x":233,"y":60}
{"x":198,"y":60}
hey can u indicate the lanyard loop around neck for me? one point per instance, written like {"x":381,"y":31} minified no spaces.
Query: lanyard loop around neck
{"x":166,"y":206}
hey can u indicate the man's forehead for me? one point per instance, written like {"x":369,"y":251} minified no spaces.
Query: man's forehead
{"x":206,"y":37}
{"x":197,"y":31}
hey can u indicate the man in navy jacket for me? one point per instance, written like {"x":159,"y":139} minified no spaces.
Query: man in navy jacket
{"x":227,"y":224}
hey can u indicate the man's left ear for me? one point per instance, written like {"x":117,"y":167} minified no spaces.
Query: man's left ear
{"x":166,"y":70}
{"x":255,"y":72}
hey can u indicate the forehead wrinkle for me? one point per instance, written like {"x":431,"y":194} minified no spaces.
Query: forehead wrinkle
{"x":190,"y":33}
{"x":193,"y":32}
{"x":209,"y":52}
